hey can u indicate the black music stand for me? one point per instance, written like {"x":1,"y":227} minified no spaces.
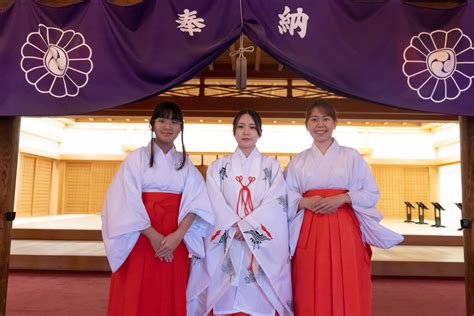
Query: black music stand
{"x":409,"y":207}
{"x":437,"y":213}
{"x":421,"y":213}
{"x":459,"y":205}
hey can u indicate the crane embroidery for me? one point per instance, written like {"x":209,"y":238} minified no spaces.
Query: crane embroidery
{"x":222,"y":240}
{"x":258,"y":238}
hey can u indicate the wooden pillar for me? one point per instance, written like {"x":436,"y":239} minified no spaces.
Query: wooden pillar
{"x":9,"y":139}
{"x":467,"y":173}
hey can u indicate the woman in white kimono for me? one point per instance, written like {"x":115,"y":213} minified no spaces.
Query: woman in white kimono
{"x":247,"y":267}
{"x":157,"y":200}
{"x":332,"y":197}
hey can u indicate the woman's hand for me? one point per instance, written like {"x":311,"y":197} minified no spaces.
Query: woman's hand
{"x":238,"y":235}
{"x":154,"y":237}
{"x":309,"y":203}
{"x":168,"y":258}
{"x":329,"y":205}
{"x":168,"y":245}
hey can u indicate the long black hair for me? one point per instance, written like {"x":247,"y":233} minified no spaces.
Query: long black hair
{"x":172,"y":111}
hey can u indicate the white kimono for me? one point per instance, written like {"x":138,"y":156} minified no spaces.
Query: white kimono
{"x":340,"y":168}
{"x":251,"y":276}
{"x":124,"y":214}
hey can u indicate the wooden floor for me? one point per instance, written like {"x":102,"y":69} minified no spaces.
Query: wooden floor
{"x":93,"y":222}
{"x":73,"y":242}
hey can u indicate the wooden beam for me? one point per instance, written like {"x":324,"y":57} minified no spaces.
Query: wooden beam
{"x":272,"y":107}
{"x":201,"y":87}
{"x":258,"y":58}
{"x":9,"y":139}
{"x":232,"y":57}
{"x":467,"y":175}
{"x":289,"y":89}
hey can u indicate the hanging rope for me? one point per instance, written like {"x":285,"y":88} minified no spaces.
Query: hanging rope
{"x":242,"y":49}
{"x":241,"y":61}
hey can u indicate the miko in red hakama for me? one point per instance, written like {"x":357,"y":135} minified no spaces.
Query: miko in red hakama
{"x":331,"y":266}
{"x":145,"y":285}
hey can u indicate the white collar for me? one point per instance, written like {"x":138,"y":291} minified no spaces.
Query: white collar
{"x":334,"y":146}
{"x":171,"y":156}
{"x":239,"y":153}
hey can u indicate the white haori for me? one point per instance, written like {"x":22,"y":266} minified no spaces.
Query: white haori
{"x":339,"y":168}
{"x":251,"y":276}
{"x":124,"y":214}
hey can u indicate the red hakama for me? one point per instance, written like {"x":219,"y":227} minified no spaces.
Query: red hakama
{"x":331,"y":266}
{"x":145,"y":285}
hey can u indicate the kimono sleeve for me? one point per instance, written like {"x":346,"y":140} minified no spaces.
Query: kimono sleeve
{"x":123,"y":212}
{"x":294,"y":190}
{"x":364,"y":195}
{"x":196,"y":200}
{"x":295,"y":215}
{"x":363,"y":190}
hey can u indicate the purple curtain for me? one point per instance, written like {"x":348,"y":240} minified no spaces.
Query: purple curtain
{"x":388,"y":52}
{"x":96,"y":55}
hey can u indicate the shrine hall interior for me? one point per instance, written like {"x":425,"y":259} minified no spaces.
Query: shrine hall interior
{"x":66,"y":163}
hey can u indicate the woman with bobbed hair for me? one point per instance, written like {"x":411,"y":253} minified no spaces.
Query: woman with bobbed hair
{"x":332,"y":196}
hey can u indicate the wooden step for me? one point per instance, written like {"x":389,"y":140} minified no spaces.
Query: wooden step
{"x":438,"y":261}
{"x":56,"y":234}
{"x":432,"y":240}
{"x":58,"y":255}
{"x":425,"y":261}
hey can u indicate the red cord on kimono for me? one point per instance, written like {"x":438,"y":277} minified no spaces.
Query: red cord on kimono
{"x":245,"y":196}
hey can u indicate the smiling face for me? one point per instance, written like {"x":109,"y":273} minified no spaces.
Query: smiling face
{"x":246,"y":133}
{"x":166,"y":130}
{"x":320,"y":125}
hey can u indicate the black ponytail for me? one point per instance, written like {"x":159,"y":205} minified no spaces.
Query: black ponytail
{"x":183,"y":162}
{"x":152,"y":147}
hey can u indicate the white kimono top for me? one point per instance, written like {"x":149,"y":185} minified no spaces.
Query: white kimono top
{"x":251,"y":276}
{"x":340,"y":168}
{"x":124,"y":214}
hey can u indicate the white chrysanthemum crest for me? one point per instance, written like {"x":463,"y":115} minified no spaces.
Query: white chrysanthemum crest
{"x":56,"y":62}
{"x":439,"y":65}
